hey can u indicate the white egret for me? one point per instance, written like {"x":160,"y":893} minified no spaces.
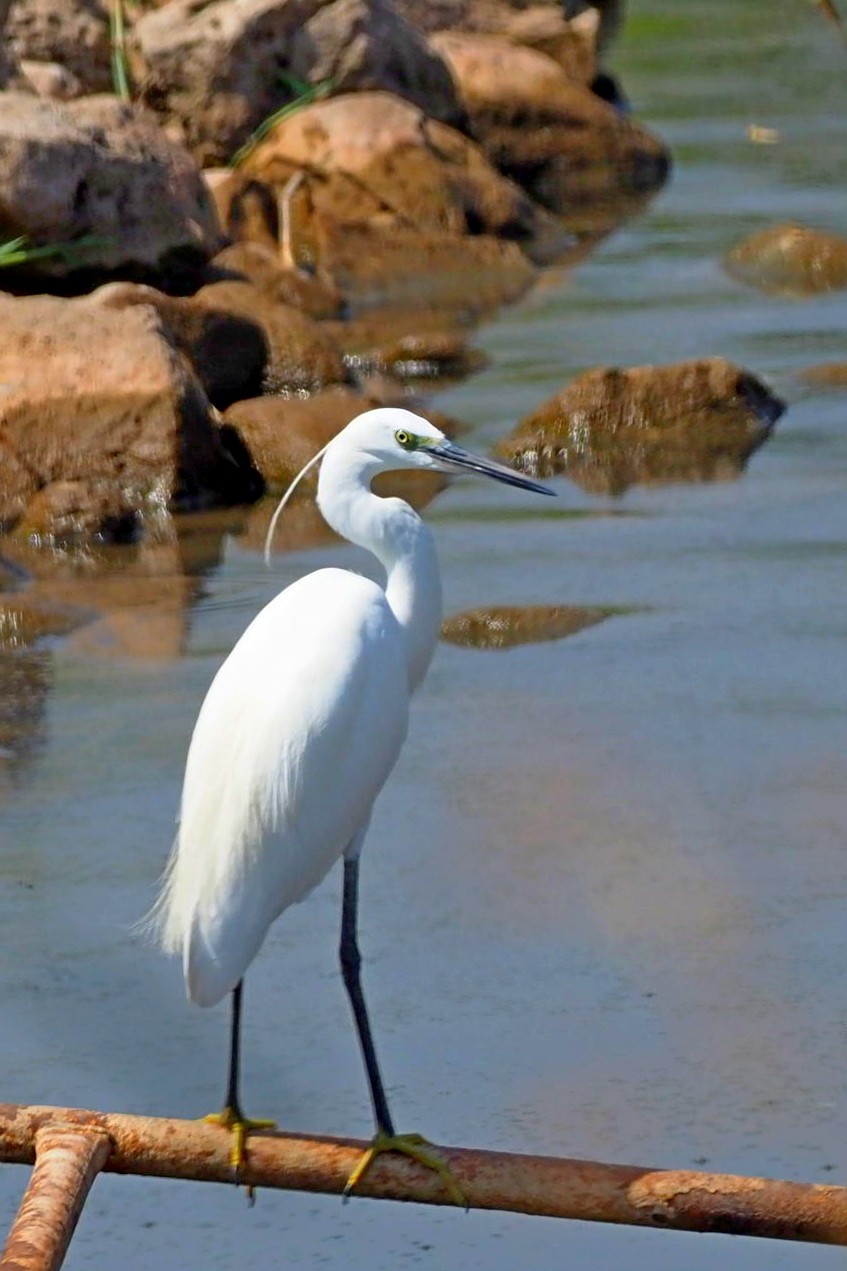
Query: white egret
{"x":297,"y":735}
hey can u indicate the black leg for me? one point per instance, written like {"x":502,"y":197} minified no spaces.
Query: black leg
{"x":231,"y":1100}
{"x":351,"y":972}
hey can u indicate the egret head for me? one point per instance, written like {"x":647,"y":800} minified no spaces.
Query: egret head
{"x":393,"y":438}
{"x":388,"y":439}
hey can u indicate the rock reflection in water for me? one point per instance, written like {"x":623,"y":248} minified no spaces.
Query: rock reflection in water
{"x":125,"y":602}
{"x":26,"y":678}
{"x":506,"y":626}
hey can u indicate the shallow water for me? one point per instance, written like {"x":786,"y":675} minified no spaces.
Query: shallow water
{"x":626,"y":846}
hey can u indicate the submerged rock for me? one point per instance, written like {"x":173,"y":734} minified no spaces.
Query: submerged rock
{"x":507,"y":626}
{"x":610,"y":429}
{"x":217,"y":69}
{"x":103,"y":426}
{"x":100,"y":169}
{"x":790,"y":260}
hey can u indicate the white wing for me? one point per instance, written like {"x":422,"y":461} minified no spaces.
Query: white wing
{"x":296,"y":737}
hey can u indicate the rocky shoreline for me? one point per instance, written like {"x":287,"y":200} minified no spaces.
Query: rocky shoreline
{"x":294,"y":210}
{"x":212,"y":270}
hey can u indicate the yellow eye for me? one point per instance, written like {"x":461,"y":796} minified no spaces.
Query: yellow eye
{"x":404,"y":439}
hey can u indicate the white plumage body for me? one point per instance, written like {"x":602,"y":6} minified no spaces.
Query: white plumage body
{"x":297,"y":735}
{"x":302,"y":726}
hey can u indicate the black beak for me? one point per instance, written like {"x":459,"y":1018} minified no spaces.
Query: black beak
{"x":455,"y":458}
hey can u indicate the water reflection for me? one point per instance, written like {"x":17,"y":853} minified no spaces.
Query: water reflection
{"x":111,"y":601}
{"x":26,"y":678}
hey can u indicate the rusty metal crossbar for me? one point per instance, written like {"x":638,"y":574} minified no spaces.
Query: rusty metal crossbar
{"x":69,"y":1146}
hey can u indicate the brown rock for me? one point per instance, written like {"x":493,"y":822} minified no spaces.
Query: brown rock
{"x":367,"y":44}
{"x":228,"y":351}
{"x":71,"y":33}
{"x":215,"y":68}
{"x":101,"y":444}
{"x":374,"y":157}
{"x":302,"y":357}
{"x":790,"y":260}
{"x":553,"y":135}
{"x":541,"y":25}
{"x":367,"y":338}
{"x":282,"y":435}
{"x":258,"y":264}
{"x":507,"y":626}
{"x":113,"y":175}
{"x":610,"y":429}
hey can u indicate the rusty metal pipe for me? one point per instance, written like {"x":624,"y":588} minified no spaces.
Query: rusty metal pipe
{"x":67,"y":1161}
{"x":588,"y":1190}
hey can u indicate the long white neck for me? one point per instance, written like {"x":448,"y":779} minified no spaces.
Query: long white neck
{"x":403,"y":545}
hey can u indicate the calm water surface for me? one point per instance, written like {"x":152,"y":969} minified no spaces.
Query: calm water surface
{"x":604,"y":893}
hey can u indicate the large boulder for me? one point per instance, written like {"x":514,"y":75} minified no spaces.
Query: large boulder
{"x":103,"y":426}
{"x":610,"y":428}
{"x":73,"y":34}
{"x":554,"y":136}
{"x":378,"y":158}
{"x":104,"y":170}
{"x":228,"y":351}
{"x":219,"y":69}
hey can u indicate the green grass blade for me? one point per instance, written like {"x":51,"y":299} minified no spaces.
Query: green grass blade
{"x":308,"y":93}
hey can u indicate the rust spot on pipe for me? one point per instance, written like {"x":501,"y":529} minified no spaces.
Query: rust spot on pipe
{"x":67,"y":1160}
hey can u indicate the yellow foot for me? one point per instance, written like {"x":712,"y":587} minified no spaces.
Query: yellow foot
{"x":415,"y":1146}
{"x":233,"y":1119}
